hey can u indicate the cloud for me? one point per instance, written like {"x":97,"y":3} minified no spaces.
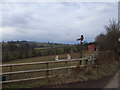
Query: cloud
{"x":56,"y":22}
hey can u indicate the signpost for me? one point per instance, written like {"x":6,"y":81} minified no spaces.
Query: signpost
{"x":80,"y":39}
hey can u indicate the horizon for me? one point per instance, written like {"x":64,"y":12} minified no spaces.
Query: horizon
{"x":78,"y":42}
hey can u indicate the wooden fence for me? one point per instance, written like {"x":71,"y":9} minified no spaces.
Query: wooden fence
{"x":47,"y":69}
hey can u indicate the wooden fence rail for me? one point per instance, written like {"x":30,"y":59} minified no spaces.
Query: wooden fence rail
{"x":47,"y":69}
{"x":35,"y":63}
{"x":27,"y":79}
{"x":39,"y":70}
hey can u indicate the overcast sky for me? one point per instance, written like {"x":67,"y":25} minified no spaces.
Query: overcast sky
{"x":56,"y":22}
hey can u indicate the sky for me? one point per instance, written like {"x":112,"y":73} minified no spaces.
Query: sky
{"x":56,"y":22}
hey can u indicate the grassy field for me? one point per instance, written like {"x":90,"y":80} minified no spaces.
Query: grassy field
{"x":42,"y":48}
{"x":39,"y":66}
{"x":49,"y":58}
{"x":43,"y":58}
{"x":32,"y":67}
{"x":63,"y":75}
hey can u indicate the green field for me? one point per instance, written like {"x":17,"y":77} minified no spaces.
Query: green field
{"x":49,"y":58}
{"x":42,"y":48}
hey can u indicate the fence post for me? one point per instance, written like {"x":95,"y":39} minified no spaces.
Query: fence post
{"x":47,"y":67}
{"x":80,"y":62}
{"x":11,"y":71}
{"x":47,"y":74}
{"x":66,"y":65}
{"x":86,"y":61}
{"x":89,"y":60}
{"x":92,"y":59}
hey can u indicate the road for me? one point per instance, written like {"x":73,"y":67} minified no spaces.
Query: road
{"x":113,"y":83}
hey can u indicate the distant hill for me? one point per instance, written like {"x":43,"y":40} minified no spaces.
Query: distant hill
{"x":33,"y":44}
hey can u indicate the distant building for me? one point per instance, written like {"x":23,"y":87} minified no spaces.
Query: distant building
{"x":91,"y":47}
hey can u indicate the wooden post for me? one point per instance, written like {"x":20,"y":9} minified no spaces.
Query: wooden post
{"x":80,"y":62}
{"x":80,"y":39}
{"x":81,"y":49}
{"x":86,"y":61}
{"x":11,"y":71}
{"x":66,"y":65}
{"x":92,"y":60}
{"x":47,"y":67}
{"x":89,"y":60}
{"x":47,"y":74}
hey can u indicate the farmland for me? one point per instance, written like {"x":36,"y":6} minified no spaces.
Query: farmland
{"x":67,"y":76}
{"x":38,"y":59}
{"x":49,"y":58}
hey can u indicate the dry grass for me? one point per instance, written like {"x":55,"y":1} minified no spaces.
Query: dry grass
{"x":49,"y":58}
{"x":42,"y":58}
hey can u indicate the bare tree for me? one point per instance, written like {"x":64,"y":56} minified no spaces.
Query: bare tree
{"x":110,"y":40}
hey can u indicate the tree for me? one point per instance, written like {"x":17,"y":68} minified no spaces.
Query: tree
{"x":101,"y":42}
{"x":109,"y":41}
{"x":112,"y":36}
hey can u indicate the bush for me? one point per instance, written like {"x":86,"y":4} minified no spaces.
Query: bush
{"x":105,"y":57}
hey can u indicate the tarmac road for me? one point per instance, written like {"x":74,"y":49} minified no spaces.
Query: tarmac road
{"x":113,"y":83}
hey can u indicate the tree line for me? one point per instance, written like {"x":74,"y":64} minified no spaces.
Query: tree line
{"x":23,"y":49}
